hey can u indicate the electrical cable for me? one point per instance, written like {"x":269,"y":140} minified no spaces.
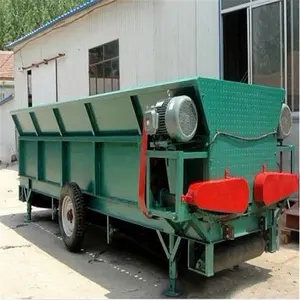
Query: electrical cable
{"x":240,"y":137}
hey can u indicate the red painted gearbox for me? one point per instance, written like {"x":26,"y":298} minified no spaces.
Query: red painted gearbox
{"x":272,"y":187}
{"x":229,"y":195}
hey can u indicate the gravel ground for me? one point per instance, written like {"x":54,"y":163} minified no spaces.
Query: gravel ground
{"x":34,"y":264}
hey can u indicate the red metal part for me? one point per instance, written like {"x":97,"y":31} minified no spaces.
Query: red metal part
{"x":143,"y":174}
{"x":229,"y":195}
{"x":271,"y":187}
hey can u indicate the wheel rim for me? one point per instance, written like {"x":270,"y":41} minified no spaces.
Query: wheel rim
{"x":68,"y":216}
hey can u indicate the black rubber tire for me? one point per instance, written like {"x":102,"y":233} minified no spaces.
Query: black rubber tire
{"x":74,"y":242}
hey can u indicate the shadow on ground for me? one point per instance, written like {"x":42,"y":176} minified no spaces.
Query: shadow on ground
{"x":123,"y":252}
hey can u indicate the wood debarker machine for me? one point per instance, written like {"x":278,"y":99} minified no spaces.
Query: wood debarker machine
{"x":195,"y":160}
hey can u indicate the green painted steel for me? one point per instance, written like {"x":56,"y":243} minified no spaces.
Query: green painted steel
{"x":96,"y":141}
{"x":243,"y":110}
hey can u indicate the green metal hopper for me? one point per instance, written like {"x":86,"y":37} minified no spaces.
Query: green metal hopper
{"x":195,"y":160}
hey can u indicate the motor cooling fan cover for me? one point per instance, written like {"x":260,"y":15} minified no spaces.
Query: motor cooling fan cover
{"x":285,"y":122}
{"x":181,"y":118}
{"x":175,"y":117}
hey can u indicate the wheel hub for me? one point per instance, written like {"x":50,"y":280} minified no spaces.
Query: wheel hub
{"x":68,"y":216}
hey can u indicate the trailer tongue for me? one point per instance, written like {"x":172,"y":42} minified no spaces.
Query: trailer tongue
{"x":194,"y":160}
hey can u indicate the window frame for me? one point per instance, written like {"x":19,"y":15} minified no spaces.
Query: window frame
{"x":100,"y":62}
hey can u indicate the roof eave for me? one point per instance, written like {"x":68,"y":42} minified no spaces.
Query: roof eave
{"x":53,"y":22}
{"x":7,"y":79}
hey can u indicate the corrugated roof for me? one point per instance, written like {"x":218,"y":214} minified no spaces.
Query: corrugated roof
{"x":49,"y":24}
{"x":6,"y":65}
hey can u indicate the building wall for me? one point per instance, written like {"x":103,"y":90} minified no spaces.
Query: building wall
{"x":158,"y":41}
{"x":7,"y":132}
{"x":7,"y":128}
{"x":6,"y":88}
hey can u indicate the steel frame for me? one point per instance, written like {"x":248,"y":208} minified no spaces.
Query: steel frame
{"x":201,"y":227}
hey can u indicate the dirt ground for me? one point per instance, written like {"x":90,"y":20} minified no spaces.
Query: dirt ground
{"x":34,"y":264}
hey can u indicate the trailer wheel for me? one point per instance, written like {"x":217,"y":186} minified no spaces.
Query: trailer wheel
{"x":72,"y":216}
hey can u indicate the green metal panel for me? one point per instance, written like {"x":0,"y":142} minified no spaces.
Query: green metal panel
{"x":79,"y":163}
{"x":29,"y":155}
{"x":76,"y":121}
{"x":244,"y":110}
{"x":119,"y":166}
{"x":51,"y":162}
{"x":25,"y":122}
{"x":46,"y":188}
{"x":123,"y":115}
{"x":46,"y":120}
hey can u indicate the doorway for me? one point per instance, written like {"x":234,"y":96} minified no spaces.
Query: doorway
{"x":235,"y":46}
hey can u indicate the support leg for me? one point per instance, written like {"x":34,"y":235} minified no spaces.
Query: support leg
{"x":292,"y":159}
{"x":171,"y":254}
{"x":273,"y":243}
{"x":54,"y":209}
{"x":108,"y":233}
{"x":27,"y":194}
{"x":273,"y":232}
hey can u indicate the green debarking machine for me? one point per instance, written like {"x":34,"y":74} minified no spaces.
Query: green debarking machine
{"x":195,"y":160}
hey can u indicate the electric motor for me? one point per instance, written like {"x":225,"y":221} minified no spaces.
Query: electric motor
{"x":176,"y":117}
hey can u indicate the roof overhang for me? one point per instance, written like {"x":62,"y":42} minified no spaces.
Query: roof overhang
{"x":6,"y":81}
{"x":50,"y":24}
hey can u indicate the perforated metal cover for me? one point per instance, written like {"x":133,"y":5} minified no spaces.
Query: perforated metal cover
{"x":181,"y":118}
{"x":285,"y":122}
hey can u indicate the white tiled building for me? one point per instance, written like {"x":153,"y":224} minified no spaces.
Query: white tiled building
{"x":7,"y":103}
{"x":143,"y":42}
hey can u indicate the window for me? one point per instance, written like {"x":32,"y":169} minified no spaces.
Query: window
{"x":104,"y":68}
{"x":232,"y":3}
{"x":293,"y":54}
{"x":268,"y":45}
{"x":29,"y":88}
{"x":235,"y":46}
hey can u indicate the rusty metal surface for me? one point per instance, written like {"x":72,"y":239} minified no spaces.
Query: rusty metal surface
{"x":238,"y":251}
{"x":292,"y":217}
